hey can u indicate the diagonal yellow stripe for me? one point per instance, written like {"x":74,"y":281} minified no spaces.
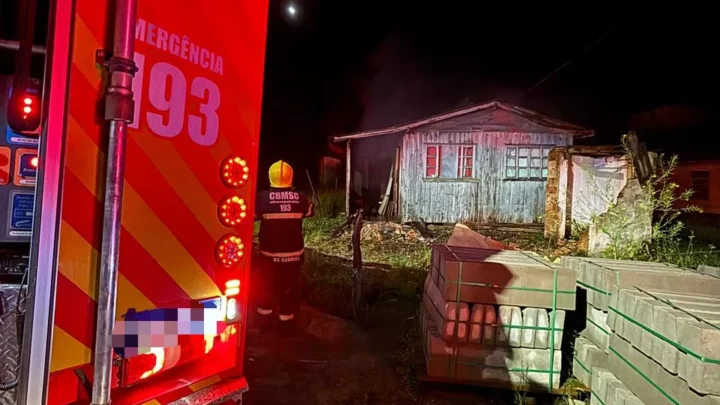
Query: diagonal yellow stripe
{"x":205,"y":383}
{"x":81,"y":152}
{"x":164,"y":247}
{"x":161,"y":152}
{"x":183,"y":180}
{"x":131,"y":297}
{"x":85,"y":45}
{"x":78,"y":262}
{"x":67,"y":351}
{"x":220,"y":150}
{"x":152,"y":402}
{"x":142,"y":223}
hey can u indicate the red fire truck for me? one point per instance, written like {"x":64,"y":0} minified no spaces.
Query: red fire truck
{"x":126,"y":175}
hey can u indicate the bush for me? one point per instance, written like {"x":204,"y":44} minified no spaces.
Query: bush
{"x":666,"y":243}
{"x":331,"y":203}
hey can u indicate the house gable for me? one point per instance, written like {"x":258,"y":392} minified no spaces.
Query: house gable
{"x":494,"y":120}
{"x":493,"y":116}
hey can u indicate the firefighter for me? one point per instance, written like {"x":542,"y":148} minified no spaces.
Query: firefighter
{"x":281,"y":211}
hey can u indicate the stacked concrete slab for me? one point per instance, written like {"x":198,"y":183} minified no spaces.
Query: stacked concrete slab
{"x":653,"y":329}
{"x":611,"y":391}
{"x":501,"y":277}
{"x":598,"y":277}
{"x":709,"y":270}
{"x":666,"y":346}
{"x":587,"y":357}
{"x":493,"y":364}
{"x":495,"y":316}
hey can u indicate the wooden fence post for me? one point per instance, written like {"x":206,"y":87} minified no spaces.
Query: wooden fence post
{"x":357,"y":263}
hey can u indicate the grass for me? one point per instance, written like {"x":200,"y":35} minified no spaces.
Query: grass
{"x":391,"y":252}
{"x":687,"y":253}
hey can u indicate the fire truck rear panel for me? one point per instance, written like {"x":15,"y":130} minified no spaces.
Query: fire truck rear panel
{"x":198,"y":91}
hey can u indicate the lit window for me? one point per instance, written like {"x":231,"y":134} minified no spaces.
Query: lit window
{"x":432,"y":160}
{"x":466,"y":159}
{"x":526,"y":162}
{"x":700,"y":185}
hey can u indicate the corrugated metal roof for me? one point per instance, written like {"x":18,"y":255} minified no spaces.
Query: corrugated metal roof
{"x":532,"y":118}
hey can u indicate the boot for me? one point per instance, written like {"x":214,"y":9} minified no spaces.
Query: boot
{"x":263,"y":321}
{"x":288,"y":327}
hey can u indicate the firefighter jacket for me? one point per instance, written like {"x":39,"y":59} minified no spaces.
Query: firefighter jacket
{"x":281,"y":212}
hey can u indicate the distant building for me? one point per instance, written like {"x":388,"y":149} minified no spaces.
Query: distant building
{"x":484,"y":163}
{"x":703,"y":178}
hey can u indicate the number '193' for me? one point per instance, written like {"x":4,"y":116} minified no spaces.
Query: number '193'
{"x":167,"y":93}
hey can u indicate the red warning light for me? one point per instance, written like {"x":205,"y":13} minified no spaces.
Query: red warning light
{"x":230,"y":249}
{"x":232,"y":211}
{"x":23,"y":108}
{"x":34,"y":162}
{"x":235,"y":172}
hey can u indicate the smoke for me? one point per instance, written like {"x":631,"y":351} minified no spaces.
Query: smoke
{"x":412,"y":79}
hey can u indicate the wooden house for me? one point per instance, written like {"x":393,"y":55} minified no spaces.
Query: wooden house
{"x":484,"y":163}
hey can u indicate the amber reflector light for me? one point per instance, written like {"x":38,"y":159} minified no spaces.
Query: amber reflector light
{"x":230,"y":250}
{"x":235,"y":172}
{"x":231,"y":211}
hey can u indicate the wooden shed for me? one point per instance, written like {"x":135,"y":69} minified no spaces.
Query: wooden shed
{"x":484,"y":163}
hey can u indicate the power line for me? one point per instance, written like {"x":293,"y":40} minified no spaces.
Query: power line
{"x":569,"y":61}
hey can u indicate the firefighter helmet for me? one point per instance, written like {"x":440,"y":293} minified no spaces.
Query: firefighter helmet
{"x":281,"y":175}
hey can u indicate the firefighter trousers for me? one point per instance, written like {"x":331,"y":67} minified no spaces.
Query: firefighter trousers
{"x":280,"y":284}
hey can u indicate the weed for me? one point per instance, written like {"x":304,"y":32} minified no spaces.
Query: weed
{"x":519,"y":390}
{"x":330,"y":204}
{"x":568,"y":391}
{"x":662,"y":201}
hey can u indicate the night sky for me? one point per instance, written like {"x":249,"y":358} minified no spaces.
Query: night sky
{"x":342,"y":66}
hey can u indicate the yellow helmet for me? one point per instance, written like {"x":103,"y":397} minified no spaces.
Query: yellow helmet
{"x":281,"y":175}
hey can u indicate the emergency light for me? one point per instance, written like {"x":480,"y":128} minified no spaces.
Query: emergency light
{"x":24,"y":108}
{"x":234,"y":172}
{"x":232,"y":211}
{"x":229,"y":250}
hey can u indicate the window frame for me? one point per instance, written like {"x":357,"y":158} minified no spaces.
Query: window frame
{"x":461,"y":167}
{"x":705,"y":195}
{"x":438,"y":159}
{"x":544,"y":161}
{"x":440,"y":147}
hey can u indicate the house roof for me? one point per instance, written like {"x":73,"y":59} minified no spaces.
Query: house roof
{"x":492,"y":116}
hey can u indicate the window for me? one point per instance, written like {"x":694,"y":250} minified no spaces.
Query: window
{"x":526,"y":162}
{"x":465,"y":162}
{"x":701,"y":185}
{"x":432,"y":160}
{"x":450,"y":161}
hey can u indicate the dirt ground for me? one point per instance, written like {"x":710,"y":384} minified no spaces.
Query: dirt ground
{"x":335,"y":360}
{"x":371,"y":365}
